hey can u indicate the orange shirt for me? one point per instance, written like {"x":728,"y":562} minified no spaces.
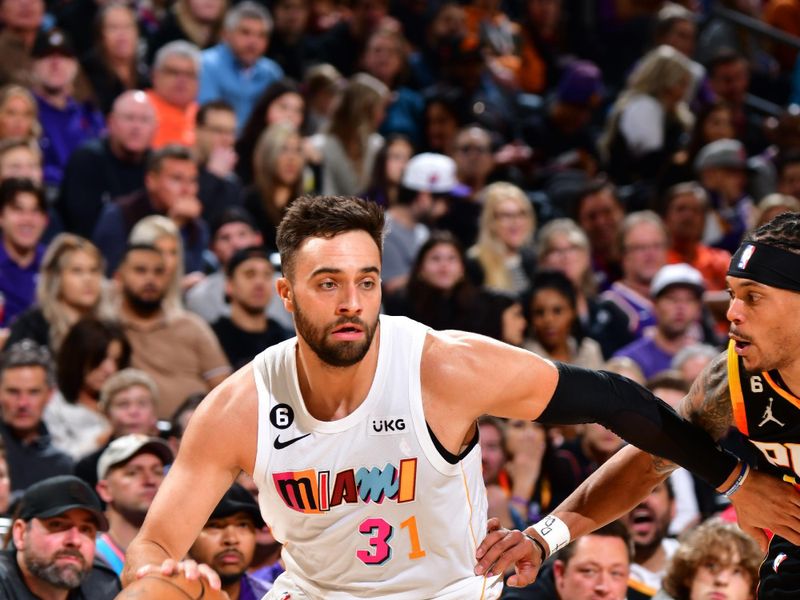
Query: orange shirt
{"x":712,"y":263}
{"x":175,"y":125}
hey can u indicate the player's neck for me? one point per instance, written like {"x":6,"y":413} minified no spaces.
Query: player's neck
{"x":332,"y":393}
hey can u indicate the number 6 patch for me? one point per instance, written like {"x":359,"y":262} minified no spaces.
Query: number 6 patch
{"x":281,"y":416}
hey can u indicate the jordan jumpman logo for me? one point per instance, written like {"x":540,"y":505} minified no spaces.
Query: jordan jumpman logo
{"x":768,"y":416}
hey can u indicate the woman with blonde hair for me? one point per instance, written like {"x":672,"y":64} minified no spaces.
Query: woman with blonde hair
{"x":19,"y":115}
{"x":161,"y":232}
{"x":71,"y":286}
{"x":503,"y":258}
{"x":349,"y":147}
{"x":650,"y":120}
{"x":280,"y":172}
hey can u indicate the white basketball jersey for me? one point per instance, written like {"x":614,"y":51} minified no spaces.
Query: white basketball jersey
{"x":366,"y":506}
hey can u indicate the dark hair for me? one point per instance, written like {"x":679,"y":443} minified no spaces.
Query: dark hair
{"x":615,"y":529}
{"x":786,"y":159}
{"x":724,"y":57}
{"x":83,"y":349}
{"x":592,"y":187}
{"x":781,"y":232}
{"x":136,"y":247}
{"x":696,"y":141}
{"x":669,"y":379}
{"x":378,"y":189}
{"x":27,"y":353}
{"x":257,"y":123}
{"x":13,"y":186}
{"x":547,"y":279}
{"x":202,"y":113}
{"x":326,"y":216}
{"x":682,"y":189}
{"x":191,"y":403}
{"x":169,"y":152}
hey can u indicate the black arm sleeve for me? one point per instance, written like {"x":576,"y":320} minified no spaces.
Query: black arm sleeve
{"x":638,"y":417}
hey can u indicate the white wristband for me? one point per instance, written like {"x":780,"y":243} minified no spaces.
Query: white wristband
{"x":554,"y":532}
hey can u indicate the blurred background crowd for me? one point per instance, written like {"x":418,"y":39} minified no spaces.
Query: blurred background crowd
{"x":567,"y":176}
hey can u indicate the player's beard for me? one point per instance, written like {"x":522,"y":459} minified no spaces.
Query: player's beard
{"x":335,"y":354}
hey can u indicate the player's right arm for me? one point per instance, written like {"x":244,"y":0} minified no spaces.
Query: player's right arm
{"x":219,"y":442}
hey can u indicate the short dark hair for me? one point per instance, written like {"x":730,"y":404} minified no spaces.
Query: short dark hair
{"x":781,"y":232}
{"x":786,"y":159}
{"x":590,"y":188}
{"x":724,"y":57}
{"x":202,"y":113}
{"x":191,"y":403}
{"x":83,"y":349}
{"x":615,"y":529}
{"x":13,"y":186}
{"x":668,"y":379}
{"x":169,"y":152}
{"x":136,"y":247}
{"x":27,"y":353}
{"x":326,"y":216}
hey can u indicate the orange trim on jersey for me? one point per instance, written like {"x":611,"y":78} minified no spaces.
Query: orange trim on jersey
{"x":641,"y":587}
{"x":735,"y":386}
{"x":469,"y":505}
{"x":793,"y":399}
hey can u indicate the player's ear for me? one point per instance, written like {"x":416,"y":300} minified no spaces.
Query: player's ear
{"x":285,"y":292}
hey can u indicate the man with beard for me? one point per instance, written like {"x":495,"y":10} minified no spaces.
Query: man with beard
{"x":249,"y":289}
{"x":129,"y":473}
{"x":652,"y":549}
{"x":360,"y":435}
{"x":228,"y":542}
{"x":178,"y":350}
{"x":53,"y":554}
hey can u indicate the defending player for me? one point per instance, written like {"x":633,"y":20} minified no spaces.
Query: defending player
{"x":360,"y":433}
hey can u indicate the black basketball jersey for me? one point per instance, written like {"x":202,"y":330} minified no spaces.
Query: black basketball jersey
{"x":768,"y":416}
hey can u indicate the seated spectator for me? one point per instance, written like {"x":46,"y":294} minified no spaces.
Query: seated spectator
{"x":279,"y":169}
{"x":23,"y":219}
{"x":289,"y":44}
{"x":66,"y":122}
{"x":427,"y":181}
{"x":176,"y":72}
{"x":178,"y":350}
{"x":22,"y":20}
{"x":129,"y":400}
{"x":677,"y":292}
{"x":554,"y":324}
{"x":163,"y":234}
{"x":21,"y":158}
{"x":716,"y":559}
{"x":170,"y":189}
{"x":70,"y":286}
{"x":249,"y":288}
{"x":26,"y":382}
{"x":218,"y":185}
{"x":198,"y":22}
{"x":491,"y":436}
{"x":5,"y":493}
{"x":444,"y":115}
{"x":691,"y":361}
{"x":643,"y":251}
{"x":113,"y":65}
{"x":104,"y":169}
{"x":599,"y":212}
{"x":503,"y":259}
{"x":180,"y":420}
{"x":390,"y":163}
{"x":322,"y":85}
{"x":19,"y":114}
{"x":236,"y":70}
{"x":227,"y":543}
{"x":772,"y":205}
{"x":349,"y":146}
{"x":129,"y":472}
{"x":92,"y":352}
{"x":53,"y":555}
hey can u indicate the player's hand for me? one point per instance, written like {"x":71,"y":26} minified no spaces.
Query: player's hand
{"x":189,"y":568}
{"x":766,"y":502}
{"x":502,"y":548}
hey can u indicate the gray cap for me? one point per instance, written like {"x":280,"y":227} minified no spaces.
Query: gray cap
{"x":430,"y":172}
{"x":722,"y":154}
{"x":677,"y":275}
{"x":124,"y":448}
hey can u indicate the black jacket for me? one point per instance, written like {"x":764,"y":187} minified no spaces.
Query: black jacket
{"x":101,"y":583}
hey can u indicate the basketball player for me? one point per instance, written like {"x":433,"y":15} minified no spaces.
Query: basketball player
{"x":753,"y":386}
{"x":360,"y":433}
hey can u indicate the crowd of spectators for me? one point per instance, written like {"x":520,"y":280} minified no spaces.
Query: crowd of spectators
{"x":568,"y":177}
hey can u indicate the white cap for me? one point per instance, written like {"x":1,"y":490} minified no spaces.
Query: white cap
{"x":679,"y":274}
{"x":430,"y":172}
{"x":124,"y":448}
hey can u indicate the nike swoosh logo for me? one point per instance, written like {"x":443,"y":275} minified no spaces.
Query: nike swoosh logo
{"x":279,"y":445}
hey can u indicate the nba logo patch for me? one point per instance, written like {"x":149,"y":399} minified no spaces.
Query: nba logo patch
{"x":747,"y":254}
{"x":778,"y":560}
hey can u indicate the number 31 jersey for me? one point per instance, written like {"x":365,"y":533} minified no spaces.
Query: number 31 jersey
{"x":367,"y":506}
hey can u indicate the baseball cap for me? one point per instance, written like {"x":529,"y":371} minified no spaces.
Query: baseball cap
{"x":237,"y":499}
{"x":56,"y":495}
{"x":721,"y":154}
{"x":122,"y":449}
{"x":243,"y":255}
{"x":51,"y":42}
{"x":679,"y":274}
{"x":430,"y":172}
{"x":581,"y":84}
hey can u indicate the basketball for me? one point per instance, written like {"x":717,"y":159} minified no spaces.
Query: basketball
{"x":156,"y":586}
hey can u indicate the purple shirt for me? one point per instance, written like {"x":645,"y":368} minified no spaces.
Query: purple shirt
{"x":63,"y":130}
{"x":645,"y":353}
{"x":17,"y":284}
